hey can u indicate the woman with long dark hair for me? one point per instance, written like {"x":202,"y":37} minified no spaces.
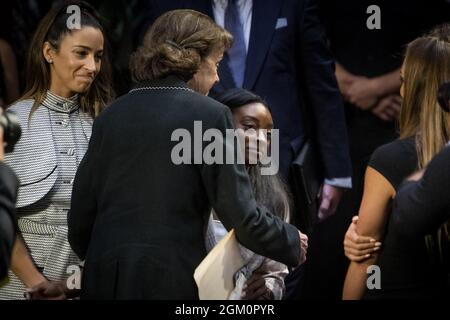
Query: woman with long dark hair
{"x":68,"y":84}
{"x":264,"y":278}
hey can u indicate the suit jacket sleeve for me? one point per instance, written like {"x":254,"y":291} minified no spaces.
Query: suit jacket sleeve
{"x":229,"y":191}
{"x":83,"y":208}
{"x":8,"y":196}
{"x":421,"y":207}
{"x":323,"y":99}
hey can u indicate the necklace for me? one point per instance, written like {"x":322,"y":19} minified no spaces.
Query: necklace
{"x":161,"y":88}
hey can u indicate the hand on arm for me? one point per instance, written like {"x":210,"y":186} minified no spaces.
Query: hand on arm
{"x":356,"y":247}
{"x":373,"y":215}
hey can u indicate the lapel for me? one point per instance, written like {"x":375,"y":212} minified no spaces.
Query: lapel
{"x":264,"y":18}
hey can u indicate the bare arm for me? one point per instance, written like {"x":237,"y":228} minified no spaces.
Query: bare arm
{"x":373,"y":215}
{"x":22,"y":265}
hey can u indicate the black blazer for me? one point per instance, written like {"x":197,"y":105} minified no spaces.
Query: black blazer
{"x":421,"y":207}
{"x":139,"y":220}
{"x":8,"y":196}
{"x":289,"y":65}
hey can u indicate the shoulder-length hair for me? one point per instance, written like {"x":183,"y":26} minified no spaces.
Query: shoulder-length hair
{"x":176,"y":44}
{"x":53,"y":28}
{"x":426,"y":69}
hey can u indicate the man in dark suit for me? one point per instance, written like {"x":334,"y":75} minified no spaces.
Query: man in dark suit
{"x":286,"y":61}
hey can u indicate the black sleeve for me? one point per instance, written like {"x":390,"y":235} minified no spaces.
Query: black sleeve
{"x":395,"y":161}
{"x":229,"y":191}
{"x":326,"y":106}
{"x":83,"y":207}
{"x":421,"y":207}
{"x":8,"y":196}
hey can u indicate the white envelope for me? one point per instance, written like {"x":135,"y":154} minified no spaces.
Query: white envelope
{"x":215,"y":274}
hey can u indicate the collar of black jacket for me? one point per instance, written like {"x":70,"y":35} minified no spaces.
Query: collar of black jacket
{"x":169,"y":81}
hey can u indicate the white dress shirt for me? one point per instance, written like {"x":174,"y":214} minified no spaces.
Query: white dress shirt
{"x":245,"y":10}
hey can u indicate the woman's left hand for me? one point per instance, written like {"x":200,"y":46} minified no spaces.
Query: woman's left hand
{"x":49,"y":290}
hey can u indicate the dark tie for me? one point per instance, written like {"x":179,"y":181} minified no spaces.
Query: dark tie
{"x":237,"y":53}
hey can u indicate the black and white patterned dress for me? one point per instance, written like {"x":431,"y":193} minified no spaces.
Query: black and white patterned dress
{"x":54,"y":140}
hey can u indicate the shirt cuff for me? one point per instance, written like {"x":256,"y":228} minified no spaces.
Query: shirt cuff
{"x":340,"y":182}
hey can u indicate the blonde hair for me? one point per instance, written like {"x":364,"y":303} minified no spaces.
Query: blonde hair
{"x":426,"y":68}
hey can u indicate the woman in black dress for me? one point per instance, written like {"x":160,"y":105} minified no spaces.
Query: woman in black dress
{"x":406,"y":270}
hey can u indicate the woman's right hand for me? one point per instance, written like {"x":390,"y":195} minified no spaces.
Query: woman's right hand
{"x":359,"y":248}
